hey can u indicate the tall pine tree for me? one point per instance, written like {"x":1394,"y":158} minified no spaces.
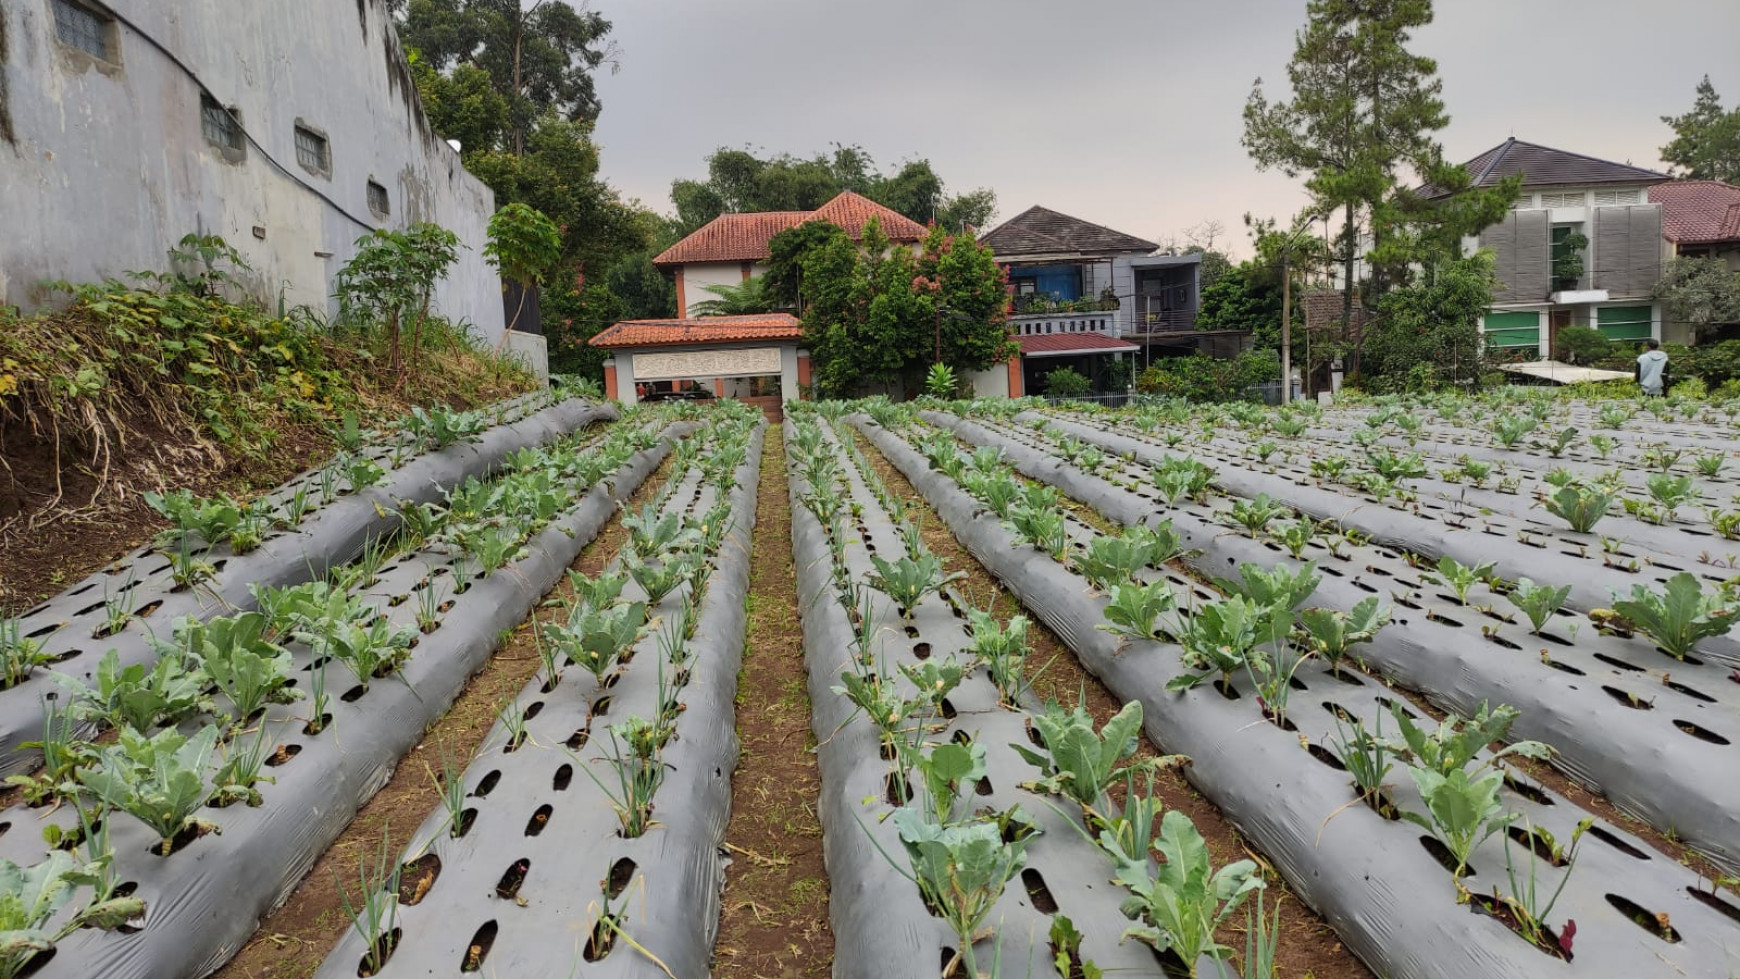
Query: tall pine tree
{"x":1706,"y":143}
{"x":1360,"y":128}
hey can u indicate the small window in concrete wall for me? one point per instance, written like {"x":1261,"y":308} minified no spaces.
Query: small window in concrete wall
{"x":1512,"y":330}
{"x":1625,"y":323}
{"x":378,"y":201}
{"x":219,"y":125}
{"x":85,"y":28}
{"x":313,"y":152}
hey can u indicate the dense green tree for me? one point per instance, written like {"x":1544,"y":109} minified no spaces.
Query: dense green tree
{"x":540,"y":58}
{"x":1700,"y":293}
{"x":1429,"y":333}
{"x":1359,"y":127}
{"x":873,"y":314}
{"x":462,"y":105}
{"x":786,"y":255}
{"x":1247,"y":297}
{"x":1706,"y":143}
{"x":739,"y":181}
{"x":645,"y":292}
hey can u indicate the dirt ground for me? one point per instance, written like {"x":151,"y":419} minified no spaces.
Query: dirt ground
{"x":1309,"y":948}
{"x":293,"y":940}
{"x":774,"y":921}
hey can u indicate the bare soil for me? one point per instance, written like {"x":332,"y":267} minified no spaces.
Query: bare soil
{"x":774,"y":920}
{"x":293,"y":940}
{"x":1309,"y":947}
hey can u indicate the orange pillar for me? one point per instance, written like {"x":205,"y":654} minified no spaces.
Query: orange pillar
{"x":610,"y":379}
{"x":1015,"y":390}
{"x":803,"y":372}
{"x":682,"y":301}
{"x":718,"y":387}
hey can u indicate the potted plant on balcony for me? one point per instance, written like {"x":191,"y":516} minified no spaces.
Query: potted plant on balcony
{"x":1108,"y":299}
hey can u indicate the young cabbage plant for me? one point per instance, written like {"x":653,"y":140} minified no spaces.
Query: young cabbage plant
{"x":1278,"y":586}
{"x":1332,"y":633}
{"x":1221,"y":636}
{"x":1561,"y":440}
{"x":374,"y":650}
{"x":1042,"y":528}
{"x":1710,"y":464}
{"x":998,"y":490}
{"x":1109,"y":560}
{"x":1458,"y":741}
{"x":1680,"y":615}
{"x":660,"y":578}
{"x":1508,"y":430}
{"x":1255,"y":514}
{"x":30,"y":897}
{"x":960,"y":871}
{"x":908,"y":580}
{"x":1461,"y":578}
{"x":935,"y":679}
{"x":139,"y":697}
{"x":63,"y":754}
{"x":948,"y":772}
{"x":160,"y":781}
{"x":1003,"y":649}
{"x":1462,"y":811}
{"x":1135,"y":609}
{"x":1538,"y":602}
{"x":1178,"y":908}
{"x":247,"y":668}
{"x":1580,"y":506}
{"x":594,"y":639}
{"x":1080,"y":762}
{"x":1671,"y":492}
{"x":652,"y":533}
{"x":1294,"y":535}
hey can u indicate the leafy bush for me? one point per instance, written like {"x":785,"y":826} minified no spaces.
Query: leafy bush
{"x":1581,"y":345}
{"x":1066,"y":382}
{"x":1202,"y":379}
{"x":1679,"y":615}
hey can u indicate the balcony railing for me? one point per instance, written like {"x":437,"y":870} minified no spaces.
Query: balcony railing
{"x":1040,"y":324}
{"x":1163,"y":320}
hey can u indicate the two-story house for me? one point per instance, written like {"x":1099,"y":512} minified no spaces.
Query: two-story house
{"x":732,"y":247}
{"x":1700,"y":218}
{"x":1581,"y":246}
{"x":1083,"y":294}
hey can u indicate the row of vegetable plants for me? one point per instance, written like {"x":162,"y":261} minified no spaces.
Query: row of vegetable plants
{"x":245,"y":748}
{"x":1437,"y":531}
{"x":1601,"y":700}
{"x":1161,"y":641}
{"x":218,"y":550}
{"x":612,"y":766}
{"x":945,"y":782}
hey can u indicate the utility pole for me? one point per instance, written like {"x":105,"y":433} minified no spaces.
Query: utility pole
{"x":1286,"y":329}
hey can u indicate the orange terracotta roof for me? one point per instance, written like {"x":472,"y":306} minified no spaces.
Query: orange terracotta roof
{"x":751,"y":328}
{"x":1698,"y":211}
{"x":745,"y":237}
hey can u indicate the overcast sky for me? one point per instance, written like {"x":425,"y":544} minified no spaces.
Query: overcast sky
{"x":1123,"y":112}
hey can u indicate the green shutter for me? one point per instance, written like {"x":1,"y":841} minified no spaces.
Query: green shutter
{"x":1624,"y":323}
{"x":1513,"y":330}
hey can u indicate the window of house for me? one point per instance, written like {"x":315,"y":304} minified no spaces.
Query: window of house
{"x":1615,"y":198}
{"x":1523,"y":202}
{"x":1576,"y":199}
{"x":312,"y":151}
{"x":219,"y":124}
{"x":378,"y":201}
{"x":82,"y":27}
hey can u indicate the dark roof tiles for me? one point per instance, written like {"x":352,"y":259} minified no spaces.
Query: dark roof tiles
{"x":1042,"y":231}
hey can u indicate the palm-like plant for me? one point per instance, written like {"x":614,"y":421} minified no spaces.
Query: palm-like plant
{"x":751,"y":296}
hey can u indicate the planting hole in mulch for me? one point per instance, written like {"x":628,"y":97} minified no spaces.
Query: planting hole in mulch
{"x":1325,"y":756}
{"x":189,"y":833}
{"x":1506,"y":915}
{"x":1527,"y":791}
{"x":1654,"y":922}
{"x":354,"y":694}
{"x":621,"y":873}
{"x":508,"y":887}
{"x":602,"y":939}
{"x":1043,"y":901}
{"x":416,"y":877}
{"x":1613,"y":840}
{"x":578,"y":739}
{"x":486,"y":785}
{"x":1627,"y":699}
{"x":897,"y":793}
{"x":921,"y":650}
{"x":539,"y":820}
{"x":382,"y":953}
{"x":1442,"y":854}
{"x":1701,"y":733}
{"x":313,"y":728}
{"x":600,"y":707}
{"x":1691,"y":692}
{"x":463,"y":826}
{"x":1561,"y":667}
{"x":1226,"y":689}
{"x":1532,"y":840}
{"x":284,"y":753}
{"x":1715,"y":903}
{"x":479,"y":947}
{"x":564,"y":775}
{"x":36,"y":964}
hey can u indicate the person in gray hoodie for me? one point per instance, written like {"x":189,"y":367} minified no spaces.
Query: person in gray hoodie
{"x":1652,"y":369}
